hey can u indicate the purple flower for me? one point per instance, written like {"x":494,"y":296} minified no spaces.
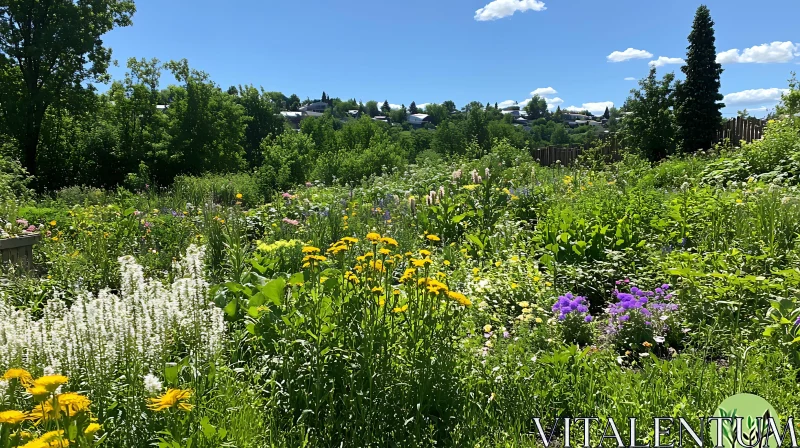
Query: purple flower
{"x":797,"y":322}
{"x":506,"y":335}
{"x":588,"y":318}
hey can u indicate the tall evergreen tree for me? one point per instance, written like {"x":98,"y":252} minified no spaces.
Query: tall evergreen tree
{"x":607,"y":114}
{"x":412,"y":109}
{"x":324,"y":97}
{"x":385,"y":109}
{"x":495,"y":105}
{"x":698,"y":114}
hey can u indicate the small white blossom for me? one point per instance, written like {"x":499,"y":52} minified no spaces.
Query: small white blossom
{"x":152,"y":385}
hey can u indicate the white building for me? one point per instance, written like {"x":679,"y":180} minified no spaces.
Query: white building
{"x":419,"y":119}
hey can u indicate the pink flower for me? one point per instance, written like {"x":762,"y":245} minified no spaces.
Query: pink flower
{"x":291,"y":221}
{"x":31,"y":228}
{"x":287,"y":196}
{"x":24,"y":222}
{"x":308,"y":184}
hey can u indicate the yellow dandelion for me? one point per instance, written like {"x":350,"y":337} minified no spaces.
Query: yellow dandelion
{"x":400,"y":309}
{"x":373,"y":237}
{"x":310,"y":250}
{"x":524,"y":304}
{"x":74,"y":403}
{"x":384,"y":251}
{"x":538,"y":320}
{"x":53,"y":223}
{"x":91,"y":429}
{"x":38,"y":393}
{"x":389,"y":241}
{"x":239,"y":196}
{"x":172,"y":399}
{"x":433,"y":238}
{"x":377,"y":290}
{"x":51,"y":382}
{"x":12,"y":417}
{"x":19,"y":374}
{"x":425,"y":253}
{"x":487,"y":328}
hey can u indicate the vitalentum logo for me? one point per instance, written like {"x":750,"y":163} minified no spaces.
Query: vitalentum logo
{"x":741,"y":421}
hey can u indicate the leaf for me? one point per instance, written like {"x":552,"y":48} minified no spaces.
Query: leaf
{"x":475,"y":240}
{"x":274,"y":290}
{"x":208,"y":429}
{"x":231,"y":307}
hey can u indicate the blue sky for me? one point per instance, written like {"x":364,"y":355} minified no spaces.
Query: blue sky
{"x":578,"y":52}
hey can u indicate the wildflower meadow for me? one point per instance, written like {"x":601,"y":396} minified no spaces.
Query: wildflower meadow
{"x":449,"y":303}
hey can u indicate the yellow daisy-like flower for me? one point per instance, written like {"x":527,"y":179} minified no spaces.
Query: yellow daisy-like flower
{"x":524,"y":304}
{"x":74,"y":403}
{"x":45,"y":412}
{"x":51,"y":382}
{"x":310,"y":250}
{"x":373,"y":237}
{"x":425,"y":253}
{"x":487,"y":328}
{"x":12,"y":417}
{"x":377,"y":290}
{"x":53,"y":223}
{"x":172,"y":399}
{"x":21,"y":375}
{"x":389,"y":241}
{"x":49,"y":439}
{"x":39,"y":393}
{"x":384,"y":251}
{"x":239,"y":196}
{"x":538,"y":320}
{"x":433,"y":238}
{"x":91,"y":429}
{"x":400,"y":309}
{"x":350,"y":240}
{"x":460,"y":298}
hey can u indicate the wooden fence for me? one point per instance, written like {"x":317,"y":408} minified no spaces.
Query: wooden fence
{"x":566,"y":155}
{"x":741,"y":130}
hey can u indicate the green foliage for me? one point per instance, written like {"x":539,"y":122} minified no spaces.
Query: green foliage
{"x":650,"y":127}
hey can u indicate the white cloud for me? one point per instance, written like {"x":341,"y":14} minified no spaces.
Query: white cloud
{"x":594,"y":108}
{"x":630,"y":78}
{"x":524,"y":103}
{"x":552,"y":103}
{"x":776,"y":52}
{"x":544,"y":91}
{"x":423,"y":105}
{"x":630,"y":53}
{"x":504,"y":8}
{"x":663,"y":60}
{"x":754,"y":97}
{"x":507,"y":103}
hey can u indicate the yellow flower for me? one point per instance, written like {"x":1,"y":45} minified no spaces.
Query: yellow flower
{"x":45,"y":412}
{"x":172,"y":399}
{"x":51,"y":382}
{"x":19,"y":374}
{"x":548,"y":284}
{"x":538,"y":320}
{"x":91,"y":429}
{"x":514,"y":286}
{"x":384,"y":251}
{"x":373,"y":237}
{"x":53,"y":223}
{"x":433,"y":238}
{"x":460,"y":298}
{"x":48,"y":439}
{"x":377,"y":290}
{"x":536,"y":279}
{"x":425,"y":253}
{"x":310,"y":250}
{"x":239,"y":196}
{"x":470,"y":187}
{"x":647,"y":344}
{"x":39,"y":393}
{"x":400,"y":309}
{"x":738,"y":201}
{"x":447,"y":262}
{"x":12,"y":417}
{"x":524,"y":304}
{"x":389,"y":241}
{"x":487,"y":328}
{"x":74,"y":403}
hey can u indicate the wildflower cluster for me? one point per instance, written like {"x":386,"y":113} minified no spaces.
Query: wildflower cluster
{"x":98,"y":335}
{"x":641,"y":318}
{"x":573,"y":317}
{"x":51,"y":412}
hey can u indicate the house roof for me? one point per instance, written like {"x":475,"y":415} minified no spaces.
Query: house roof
{"x":419,"y":116}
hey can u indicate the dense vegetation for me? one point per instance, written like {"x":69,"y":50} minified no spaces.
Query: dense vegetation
{"x":210,"y":277}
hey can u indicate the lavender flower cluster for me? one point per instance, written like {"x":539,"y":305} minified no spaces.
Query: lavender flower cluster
{"x":569,"y":304}
{"x":573,"y":316}
{"x":641,"y":315}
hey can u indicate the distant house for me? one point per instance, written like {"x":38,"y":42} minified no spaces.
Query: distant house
{"x":162,"y":107}
{"x":575,"y":117}
{"x":513,"y":112}
{"x":381,"y":118}
{"x":419,"y":119}
{"x":318,"y":107}
{"x":355,"y":113}
{"x":294,"y":118}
